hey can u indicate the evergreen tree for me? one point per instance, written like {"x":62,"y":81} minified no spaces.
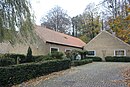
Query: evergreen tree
{"x":29,"y":55}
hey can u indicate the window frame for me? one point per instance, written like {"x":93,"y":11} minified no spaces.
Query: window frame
{"x":54,"y":48}
{"x":94,"y":53}
{"x":68,"y":49}
{"x":120,"y":50}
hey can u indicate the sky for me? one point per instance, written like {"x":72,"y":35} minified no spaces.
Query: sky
{"x":73,"y":7}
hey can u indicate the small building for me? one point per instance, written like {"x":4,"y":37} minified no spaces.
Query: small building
{"x":56,"y":41}
{"x":106,"y":44}
{"x":47,"y":41}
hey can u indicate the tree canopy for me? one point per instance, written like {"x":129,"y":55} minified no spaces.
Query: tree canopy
{"x":87,"y":25}
{"x":13,"y":14}
{"x":57,"y":19}
{"x":118,"y":19}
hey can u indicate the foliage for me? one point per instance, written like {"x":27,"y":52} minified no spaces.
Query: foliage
{"x":117,"y":12}
{"x":85,"y":38}
{"x":57,"y":55}
{"x":117,"y":59}
{"x":6,"y":61}
{"x":13,"y":14}
{"x":21,"y":57}
{"x":57,"y":19}
{"x":19,"y":73}
{"x":42,"y":58}
{"x":81,"y":62}
{"x":96,"y":59}
{"x":50,"y":56}
{"x":29,"y":55}
{"x":83,"y":53}
{"x":71,"y":54}
{"x":121,"y":27}
{"x":87,"y":25}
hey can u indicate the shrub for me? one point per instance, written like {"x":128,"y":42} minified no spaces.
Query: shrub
{"x":18,"y":73}
{"x":6,"y":61}
{"x":56,"y":55}
{"x":117,"y":59}
{"x":96,"y":59}
{"x":1,"y":55}
{"x":72,"y":54}
{"x":42,"y":58}
{"x":29,"y":55}
{"x":81,"y":62}
{"x":83,"y":53}
{"x":22,"y":58}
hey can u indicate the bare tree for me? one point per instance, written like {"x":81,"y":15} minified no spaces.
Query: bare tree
{"x":116,"y":7}
{"x":57,"y":19}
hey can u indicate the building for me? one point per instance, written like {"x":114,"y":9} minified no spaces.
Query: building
{"x":48,"y":41}
{"x":55,"y":41}
{"x":106,"y":44}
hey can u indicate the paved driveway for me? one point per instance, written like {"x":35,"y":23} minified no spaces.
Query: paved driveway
{"x":98,"y":74}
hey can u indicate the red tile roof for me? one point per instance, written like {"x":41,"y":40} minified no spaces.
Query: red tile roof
{"x":59,"y":38}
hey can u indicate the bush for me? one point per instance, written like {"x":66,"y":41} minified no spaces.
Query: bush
{"x":96,"y":59}
{"x":29,"y":55}
{"x":22,"y":58}
{"x":56,"y":55}
{"x":17,"y":74}
{"x":82,"y":53}
{"x":42,"y":58}
{"x":72,"y":54}
{"x":6,"y":61}
{"x":81,"y":62}
{"x":117,"y":59}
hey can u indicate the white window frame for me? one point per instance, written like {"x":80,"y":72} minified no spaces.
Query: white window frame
{"x":68,"y":49}
{"x":120,"y":50}
{"x":94,"y":53}
{"x":54,"y":48}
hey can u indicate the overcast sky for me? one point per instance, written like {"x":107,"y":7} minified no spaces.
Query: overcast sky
{"x":73,"y":7}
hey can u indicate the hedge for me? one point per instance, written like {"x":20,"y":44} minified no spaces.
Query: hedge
{"x":6,"y":61}
{"x":15,"y":56}
{"x":96,"y":59}
{"x":81,"y":62}
{"x":117,"y":59}
{"x":17,"y":74}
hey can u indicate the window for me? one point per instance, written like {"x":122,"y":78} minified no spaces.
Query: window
{"x":68,"y":50}
{"x":91,"y":53}
{"x":119,"y":53}
{"x":54,"y":49}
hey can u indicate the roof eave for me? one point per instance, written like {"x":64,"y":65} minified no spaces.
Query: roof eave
{"x":81,"y":47}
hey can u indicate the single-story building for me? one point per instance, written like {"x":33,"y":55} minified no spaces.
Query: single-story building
{"x":48,"y":41}
{"x":106,"y":44}
{"x":56,"y":41}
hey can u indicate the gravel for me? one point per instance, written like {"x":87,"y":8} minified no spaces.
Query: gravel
{"x":97,"y":74}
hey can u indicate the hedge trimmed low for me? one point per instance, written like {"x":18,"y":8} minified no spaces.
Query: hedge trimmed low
{"x":81,"y":62}
{"x":96,"y":59}
{"x":15,"y":56}
{"x":7,"y":61}
{"x":117,"y":59}
{"x":19,"y":73}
